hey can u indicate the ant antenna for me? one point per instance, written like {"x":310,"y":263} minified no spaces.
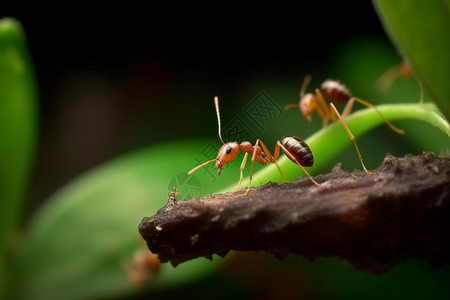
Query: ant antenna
{"x":216,"y":102}
{"x":305,"y":84}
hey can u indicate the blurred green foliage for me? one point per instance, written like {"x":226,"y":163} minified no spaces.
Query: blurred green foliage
{"x":18,"y":129}
{"x":74,"y":246}
{"x":421,"y":32}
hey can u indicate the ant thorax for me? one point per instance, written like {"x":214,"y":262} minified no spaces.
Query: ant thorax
{"x":246,"y":146}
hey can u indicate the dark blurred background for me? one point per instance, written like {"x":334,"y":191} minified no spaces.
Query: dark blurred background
{"x":115,"y":79}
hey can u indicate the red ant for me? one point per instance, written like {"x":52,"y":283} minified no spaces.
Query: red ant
{"x":335,"y":91}
{"x":402,"y":69}
{"x":294,"y":148}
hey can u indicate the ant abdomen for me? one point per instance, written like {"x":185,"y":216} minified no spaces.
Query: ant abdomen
{"x":299,"y":149}
{"x":336,"y":90}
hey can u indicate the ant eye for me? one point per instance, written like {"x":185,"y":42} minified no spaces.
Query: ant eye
{"x":228,"y":150}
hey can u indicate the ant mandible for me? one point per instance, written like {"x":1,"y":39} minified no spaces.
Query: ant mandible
{"x":335,"y":91}
{"x":295,"y":148}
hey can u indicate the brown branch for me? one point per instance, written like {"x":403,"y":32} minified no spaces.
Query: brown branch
{"x":373,"y":222}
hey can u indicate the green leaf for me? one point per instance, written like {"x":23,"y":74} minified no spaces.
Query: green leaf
{"x":76,"y":242}
{"x":18,"y":128}
{"x":421,"y":32}
{"x":330,"y":141}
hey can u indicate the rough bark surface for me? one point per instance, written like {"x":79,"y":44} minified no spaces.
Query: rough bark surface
{"x":373,"y":222}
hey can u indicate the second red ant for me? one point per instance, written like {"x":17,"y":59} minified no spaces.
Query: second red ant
{"x":335,"y":91}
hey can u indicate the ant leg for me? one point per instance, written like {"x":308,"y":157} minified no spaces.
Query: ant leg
{"x":404,"y":70}
{"x":274,"y":158}
{"x":350,"y":135}
{"x":291,"y":157}
{"x":386,"y":80}
{"x":348,"y":108}
{"x":363,"y":102}
{"x":242,"y":176}
{"x":322,"y":108}
{"x":325,"y":121}
{"x":251,"y":168}
{"x":421,"y":94}
{"x":306,"y":82}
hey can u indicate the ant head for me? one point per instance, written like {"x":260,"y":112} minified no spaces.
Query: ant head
{"x":226,"y":153}
{"x":307,"y":105}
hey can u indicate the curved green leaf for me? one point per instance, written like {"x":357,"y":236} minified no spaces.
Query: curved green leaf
{"x":18,"y":119}
{"x":76,"y":242}
{"x":421,"y":31}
